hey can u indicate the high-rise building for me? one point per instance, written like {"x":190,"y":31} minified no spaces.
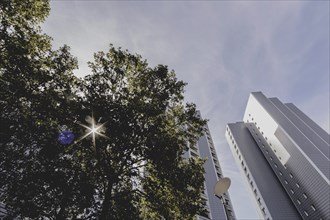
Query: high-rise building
{"x":218,"y":209}
{"x":284,"y":158}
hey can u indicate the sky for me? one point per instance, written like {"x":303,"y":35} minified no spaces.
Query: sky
{"x":223,"y":49}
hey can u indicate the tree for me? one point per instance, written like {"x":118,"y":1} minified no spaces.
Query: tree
{"x":133,"y":163}
{"x":36,"y":97}
{"x":148,"y":130}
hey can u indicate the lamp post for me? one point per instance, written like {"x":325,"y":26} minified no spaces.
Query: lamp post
{"x":220,"y":188}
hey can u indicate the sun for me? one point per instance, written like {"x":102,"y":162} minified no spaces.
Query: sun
{"x":93,"y":130}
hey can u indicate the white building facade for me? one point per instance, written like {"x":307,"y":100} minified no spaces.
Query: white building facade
{"x":217,"y":209}
{"x":284,"y":158}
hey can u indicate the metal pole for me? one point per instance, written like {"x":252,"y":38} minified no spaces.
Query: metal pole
{"x":222,"y":201}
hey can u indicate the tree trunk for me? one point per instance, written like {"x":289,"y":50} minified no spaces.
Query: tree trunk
{"x":106,"y":206}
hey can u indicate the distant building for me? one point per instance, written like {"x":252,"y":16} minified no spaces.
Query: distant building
{"x":218,"y":210}
{"x":284,"y":158}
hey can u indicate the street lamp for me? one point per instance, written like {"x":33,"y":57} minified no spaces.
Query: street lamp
{"x":220,"y":188}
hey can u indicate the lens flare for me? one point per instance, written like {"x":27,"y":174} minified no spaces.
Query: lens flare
{"x":65,"y":137}
{"x":93,"y":130}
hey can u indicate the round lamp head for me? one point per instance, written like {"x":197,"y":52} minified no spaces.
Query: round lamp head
{"x":222,"y":186}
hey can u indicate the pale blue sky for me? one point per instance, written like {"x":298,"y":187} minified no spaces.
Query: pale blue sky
{"x":223,"y":49}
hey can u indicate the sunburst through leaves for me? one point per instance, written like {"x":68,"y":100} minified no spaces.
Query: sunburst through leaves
{"x":93,"y":129}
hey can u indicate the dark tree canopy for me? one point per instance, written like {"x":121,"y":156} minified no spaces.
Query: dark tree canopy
{"x":132,"y":169}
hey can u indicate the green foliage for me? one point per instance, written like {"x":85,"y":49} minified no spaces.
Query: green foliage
{"x":36,"y":97}
{"x":148,"y":129}
{"x":136,"y":166}
{"x":177,"y":197}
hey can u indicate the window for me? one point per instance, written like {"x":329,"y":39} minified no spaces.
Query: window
{"x":263,"y":146}
{"x":267,"y":152}
{"x":279,"y":158}
{"x":235,"y":146}
{"x":249,"y":114}
{"x":275,"y":165}
{"x":193,"y":154}
{"x":298,"y":201}
{"x":245,"y":170}
{"x":291,"y":190}
{"x":313,"y":207}
{"x":242,"y":164}
{"x":306,"y":213}
{"x":248,"y":176}
{"x":305,"y":196}
{"x":259,"y":140}
{"x":297,"y":184}
{"x":274,"y":150}
{"x":271,"y":158}
{"x":263,"y":211}
{"x":255,"y":192}
{"x":259,"y":201}
{"x":286,"y":182}
{"x":237,"y":151}
{"x":281,"y":173}
{"x":291,"y":175}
